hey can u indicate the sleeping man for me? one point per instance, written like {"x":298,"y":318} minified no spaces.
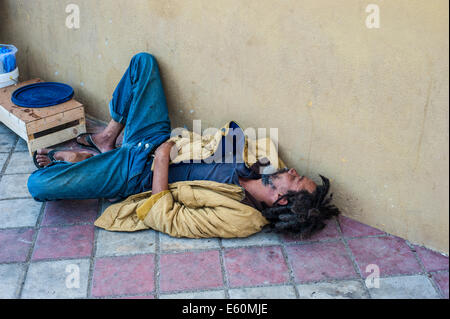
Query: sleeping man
{"x":219,"y":185}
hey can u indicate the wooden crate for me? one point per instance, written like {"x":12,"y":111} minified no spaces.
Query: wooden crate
{"x":42,"y":127}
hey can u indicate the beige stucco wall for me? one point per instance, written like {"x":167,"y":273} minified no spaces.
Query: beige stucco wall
{"x":365,"y":107}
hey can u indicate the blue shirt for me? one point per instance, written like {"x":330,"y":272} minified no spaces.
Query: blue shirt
{"x":218,"y":172}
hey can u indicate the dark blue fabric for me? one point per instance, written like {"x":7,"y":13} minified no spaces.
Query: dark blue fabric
{"x":4,"y":49}
{"x":8,"y":60}
{"x":9,"y":63}
{"x":42,"y":94}
{"x":218,"y":172}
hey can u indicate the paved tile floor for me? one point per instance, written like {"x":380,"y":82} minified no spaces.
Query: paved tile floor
{"x":53,"y":250}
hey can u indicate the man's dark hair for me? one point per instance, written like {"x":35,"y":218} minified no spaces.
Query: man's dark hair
{"x":305,"y":212}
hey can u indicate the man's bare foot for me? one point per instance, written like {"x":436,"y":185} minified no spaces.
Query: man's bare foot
{"x":102,"y":141}
{"x":69,"y":156}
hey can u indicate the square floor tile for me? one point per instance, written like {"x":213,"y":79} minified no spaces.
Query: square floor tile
{"x":4,"y":129}
{"x":111,"y":243}
{"x":10,"y":279}
{"x":255,"y":266}
{"x":57,"y":279}
{"x":274,"y":292}
{"x":404,"y":287}
{"x":126,"y":275}
{"x":441,"y":279}
{"x":19,"y":213}
{"x":210,"y":294}
{"x":174,"y":243}
{"x":64,"y":242}
{"x":264,"y":237}
{"x":346,"y":289}
{"x":330,"y":232}
{"x":21,"y":146}
{"x":7,"y":141}
{"x":353,"y":228}
{"x":391,"y":254}
{"x":320,"y":261}
{"x":192,"y":270}
{"x":65,"y":212}
{"x":3,"y":158}
{"x":14,"y":186}
{"x":432,"y":261}
{"x":20,"y":163}
{"x":15,"y":244}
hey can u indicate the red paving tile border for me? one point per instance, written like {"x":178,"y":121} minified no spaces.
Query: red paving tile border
{"x":353,"y":228}
{"x":391,"y":254}
{"x":255,"y":266}
{"x":330,"y":232}
{"x":64,"y":242}
{"x":70,"y":212}
{"x":15,"y":244}
{"x":441,"y":279}
{"x":432,"y":261}
{"x":125,"y":275}
{"x":190,"y":270}
{"x":320,"y":261}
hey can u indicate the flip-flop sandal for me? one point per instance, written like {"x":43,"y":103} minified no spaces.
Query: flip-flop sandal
{"x":50,"y":155}
{"x":88,"y":140}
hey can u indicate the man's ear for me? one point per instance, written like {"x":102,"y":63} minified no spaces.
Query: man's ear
{"x":283,"y":201}
{"x":293,"y":171}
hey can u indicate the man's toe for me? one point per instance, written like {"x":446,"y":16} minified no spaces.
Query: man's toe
{"x":42,"y":160}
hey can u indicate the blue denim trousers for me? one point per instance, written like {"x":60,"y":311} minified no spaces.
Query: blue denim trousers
{"x":139,"y":103}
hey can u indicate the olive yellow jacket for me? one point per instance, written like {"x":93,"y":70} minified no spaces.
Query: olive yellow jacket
{"x":200,"y":208}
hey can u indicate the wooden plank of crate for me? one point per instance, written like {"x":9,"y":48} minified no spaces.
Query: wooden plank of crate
{"x":48,"y":111}
{"x":14,"y":123}
{"x":55,"y":120}
{"x":28,"y":115}
{"x":56,"y":137}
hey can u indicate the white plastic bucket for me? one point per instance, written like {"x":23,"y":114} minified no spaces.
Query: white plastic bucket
{"x":7,"y":79}
{"x":7,"y":58}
